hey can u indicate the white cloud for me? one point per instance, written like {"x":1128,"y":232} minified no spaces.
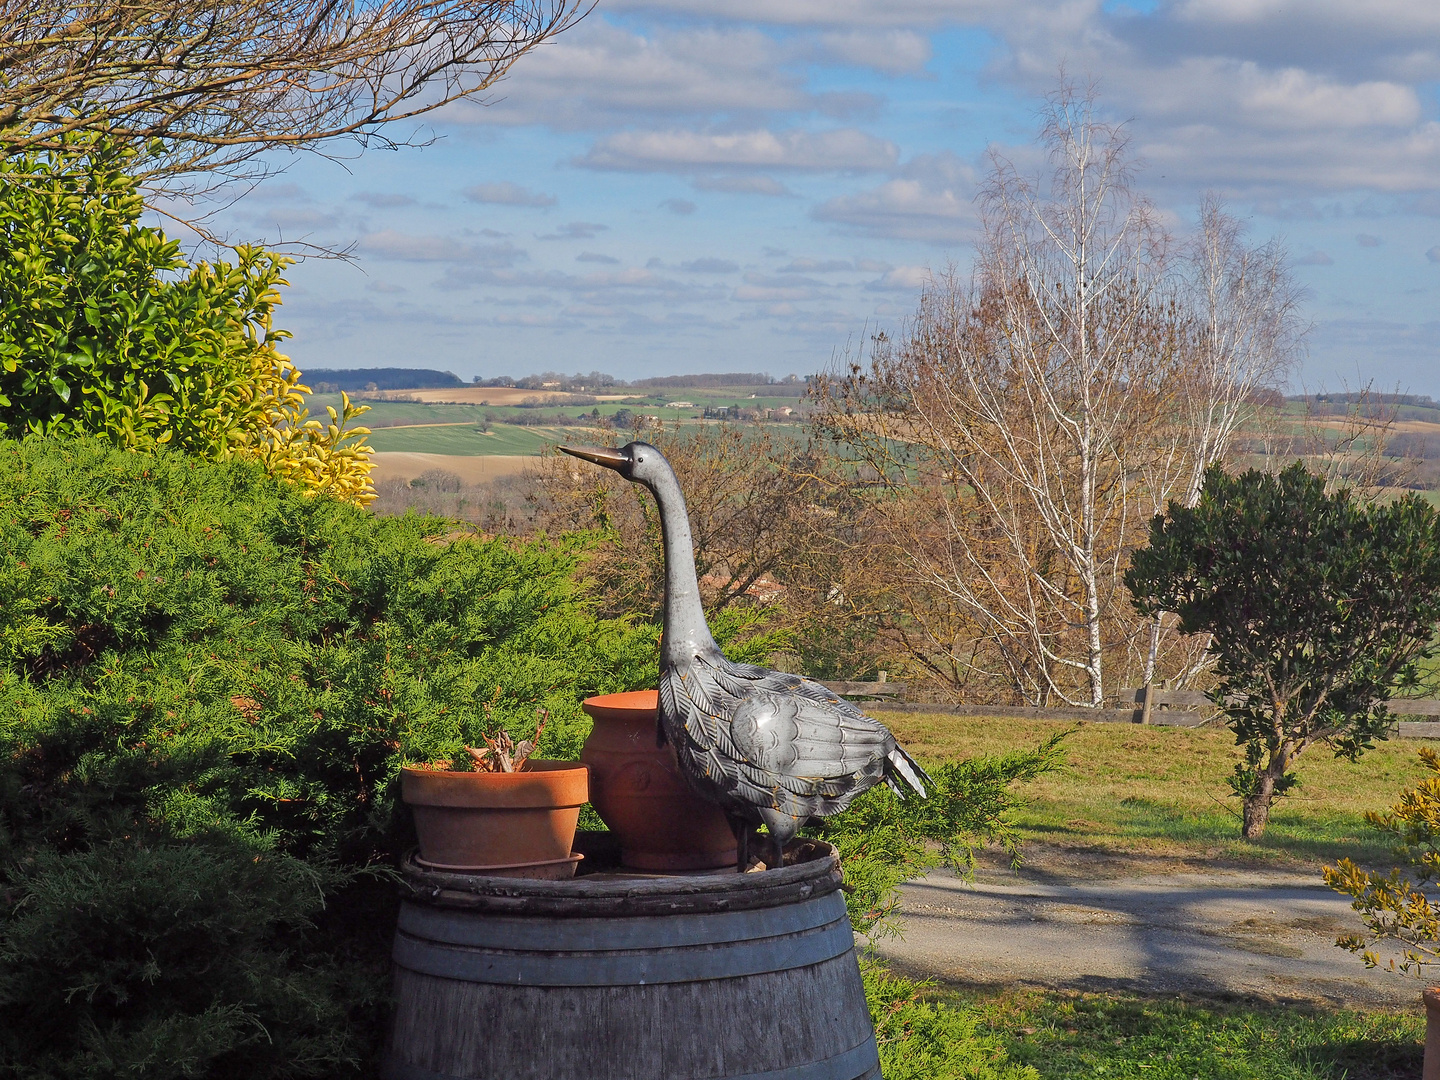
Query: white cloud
{"x":829,"y":13}
{"x":906,"y":209}
{"x":894,"y":52}
{"x":576,"y":230}
{"x":902,"y":279}
{"x":817,"y":266}
{"x":507,"y":194}
{"x":382,"y":200}
{"x":596,"y":257}
{"x":746,"y":185}
{"x":629,"y":281}
{"x":710,"y":265}
{"x":682,"y":207}
{"x":773,"y":293}
{"x":840,"y":149}
{"x":601,"y":75}
{"x":405,"y":247}
{"x":1402,"y":16}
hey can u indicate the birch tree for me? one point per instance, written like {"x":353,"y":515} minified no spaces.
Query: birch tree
{"x":1017,"y":407}
{"x":1241,"y":304}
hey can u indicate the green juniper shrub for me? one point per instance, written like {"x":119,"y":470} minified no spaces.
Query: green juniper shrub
{"x":208,"y":682}
{"x":884,"y":840}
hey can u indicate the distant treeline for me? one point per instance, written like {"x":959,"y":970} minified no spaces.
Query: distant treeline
{"x":1421,"y":401}
{"x":333,"y":380}
{"x":790,"y":385}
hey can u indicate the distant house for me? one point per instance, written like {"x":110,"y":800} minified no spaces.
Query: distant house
{"x":679,"y":404}
{"x":784,"y":410}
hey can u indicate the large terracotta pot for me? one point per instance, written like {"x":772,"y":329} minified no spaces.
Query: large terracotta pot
{"x":518,"y":824}
{"x":638,"y":792}
{"x":1430,"y":1070}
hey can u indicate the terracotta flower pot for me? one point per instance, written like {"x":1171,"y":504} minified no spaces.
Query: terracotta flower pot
{"x":639,"y":793}
{"x":1431,"y":1069}
{"x":517,"y":824}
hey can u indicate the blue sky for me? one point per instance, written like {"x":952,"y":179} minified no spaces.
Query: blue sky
{"x":712,"y":185}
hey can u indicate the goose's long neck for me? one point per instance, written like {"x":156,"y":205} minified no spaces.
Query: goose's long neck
{"x":685,"y":631}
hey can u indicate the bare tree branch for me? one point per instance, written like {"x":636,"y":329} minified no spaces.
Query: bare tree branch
{"x":219,"y":84}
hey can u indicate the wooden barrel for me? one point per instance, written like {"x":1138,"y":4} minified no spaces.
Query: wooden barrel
{"x":607,"y":977}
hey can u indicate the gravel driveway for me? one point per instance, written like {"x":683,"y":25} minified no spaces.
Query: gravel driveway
{"x":1263,"y":934}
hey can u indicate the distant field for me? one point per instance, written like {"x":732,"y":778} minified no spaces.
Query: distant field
{"x":1162,"y":790}
{"x":471,"y":468}
{"x":467,"y":440}
{"x":390,"y":413}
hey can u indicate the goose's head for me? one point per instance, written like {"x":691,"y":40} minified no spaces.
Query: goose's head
{"x":636,"y":461}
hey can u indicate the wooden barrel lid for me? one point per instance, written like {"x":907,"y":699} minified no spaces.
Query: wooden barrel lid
{"x":815,"y":873}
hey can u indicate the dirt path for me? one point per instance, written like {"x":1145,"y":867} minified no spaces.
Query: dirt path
{"x":1171,"y":928}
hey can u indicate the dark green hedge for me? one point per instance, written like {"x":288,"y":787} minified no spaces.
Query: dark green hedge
{"x":207,"y":683}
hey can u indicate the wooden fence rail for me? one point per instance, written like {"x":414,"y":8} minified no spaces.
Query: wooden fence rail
{"x":1167,"y":708}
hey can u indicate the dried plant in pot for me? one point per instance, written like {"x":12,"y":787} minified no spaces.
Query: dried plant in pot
{"x":506,"y":815}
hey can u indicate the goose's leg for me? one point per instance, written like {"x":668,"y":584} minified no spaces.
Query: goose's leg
{"x":741,"y":828}
{"x":782,"y":828}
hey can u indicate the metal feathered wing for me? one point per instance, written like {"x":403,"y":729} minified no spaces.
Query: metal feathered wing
{"x":766,"y":740}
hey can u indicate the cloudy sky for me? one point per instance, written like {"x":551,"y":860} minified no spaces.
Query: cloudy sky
{"x":748,"y":185}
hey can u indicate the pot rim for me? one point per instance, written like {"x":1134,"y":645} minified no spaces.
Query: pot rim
{"x":543,"y":785}
{"x":631,"y":705}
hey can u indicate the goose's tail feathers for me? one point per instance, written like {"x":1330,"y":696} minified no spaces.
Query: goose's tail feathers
{"x":902,"y":763}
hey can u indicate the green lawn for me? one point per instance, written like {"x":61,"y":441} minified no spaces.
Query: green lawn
{"x":1080,"y":1036}
{"x":469,"y":440}
{"x":1162,"y":791}
{"x":401,"y":412}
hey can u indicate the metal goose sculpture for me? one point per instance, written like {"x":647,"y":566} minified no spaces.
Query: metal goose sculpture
{"x":769,"y":747}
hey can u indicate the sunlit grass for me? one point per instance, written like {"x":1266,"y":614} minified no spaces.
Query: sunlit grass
{"x":1162,"y":791}
{"x":1079,"y":1036}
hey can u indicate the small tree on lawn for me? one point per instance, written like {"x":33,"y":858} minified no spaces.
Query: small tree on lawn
{"x":1318,"y":608}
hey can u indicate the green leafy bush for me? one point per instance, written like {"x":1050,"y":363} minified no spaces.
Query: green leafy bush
{"x":1318,"y":608}
{"x":208,"y":682}
{"x":106,"y":329}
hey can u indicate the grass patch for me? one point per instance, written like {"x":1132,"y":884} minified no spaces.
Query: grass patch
{"x":1074,"y":1036}
{"x":1163,"y":791}
{"x":386,"y":413}
{"x":469,"y":441}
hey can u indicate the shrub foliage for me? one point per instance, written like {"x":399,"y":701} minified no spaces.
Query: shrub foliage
{"x":1318,"y":608}
{"x":207,"y":685}
{"x":106,"y":329}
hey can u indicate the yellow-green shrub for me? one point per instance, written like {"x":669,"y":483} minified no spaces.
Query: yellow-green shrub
{"x":105,"y":328}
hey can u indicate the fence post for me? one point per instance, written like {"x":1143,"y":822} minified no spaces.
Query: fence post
{"x":1149,"y":693}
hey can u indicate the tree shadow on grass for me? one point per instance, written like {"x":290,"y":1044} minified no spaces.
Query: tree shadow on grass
{"x":1308,"y":838}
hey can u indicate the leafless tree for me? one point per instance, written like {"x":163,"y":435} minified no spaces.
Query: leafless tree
{"x":1035,"y":416}
{"x":207,"y":88}
{"x":1244,"y":331}
{"x":1023,"y":398}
